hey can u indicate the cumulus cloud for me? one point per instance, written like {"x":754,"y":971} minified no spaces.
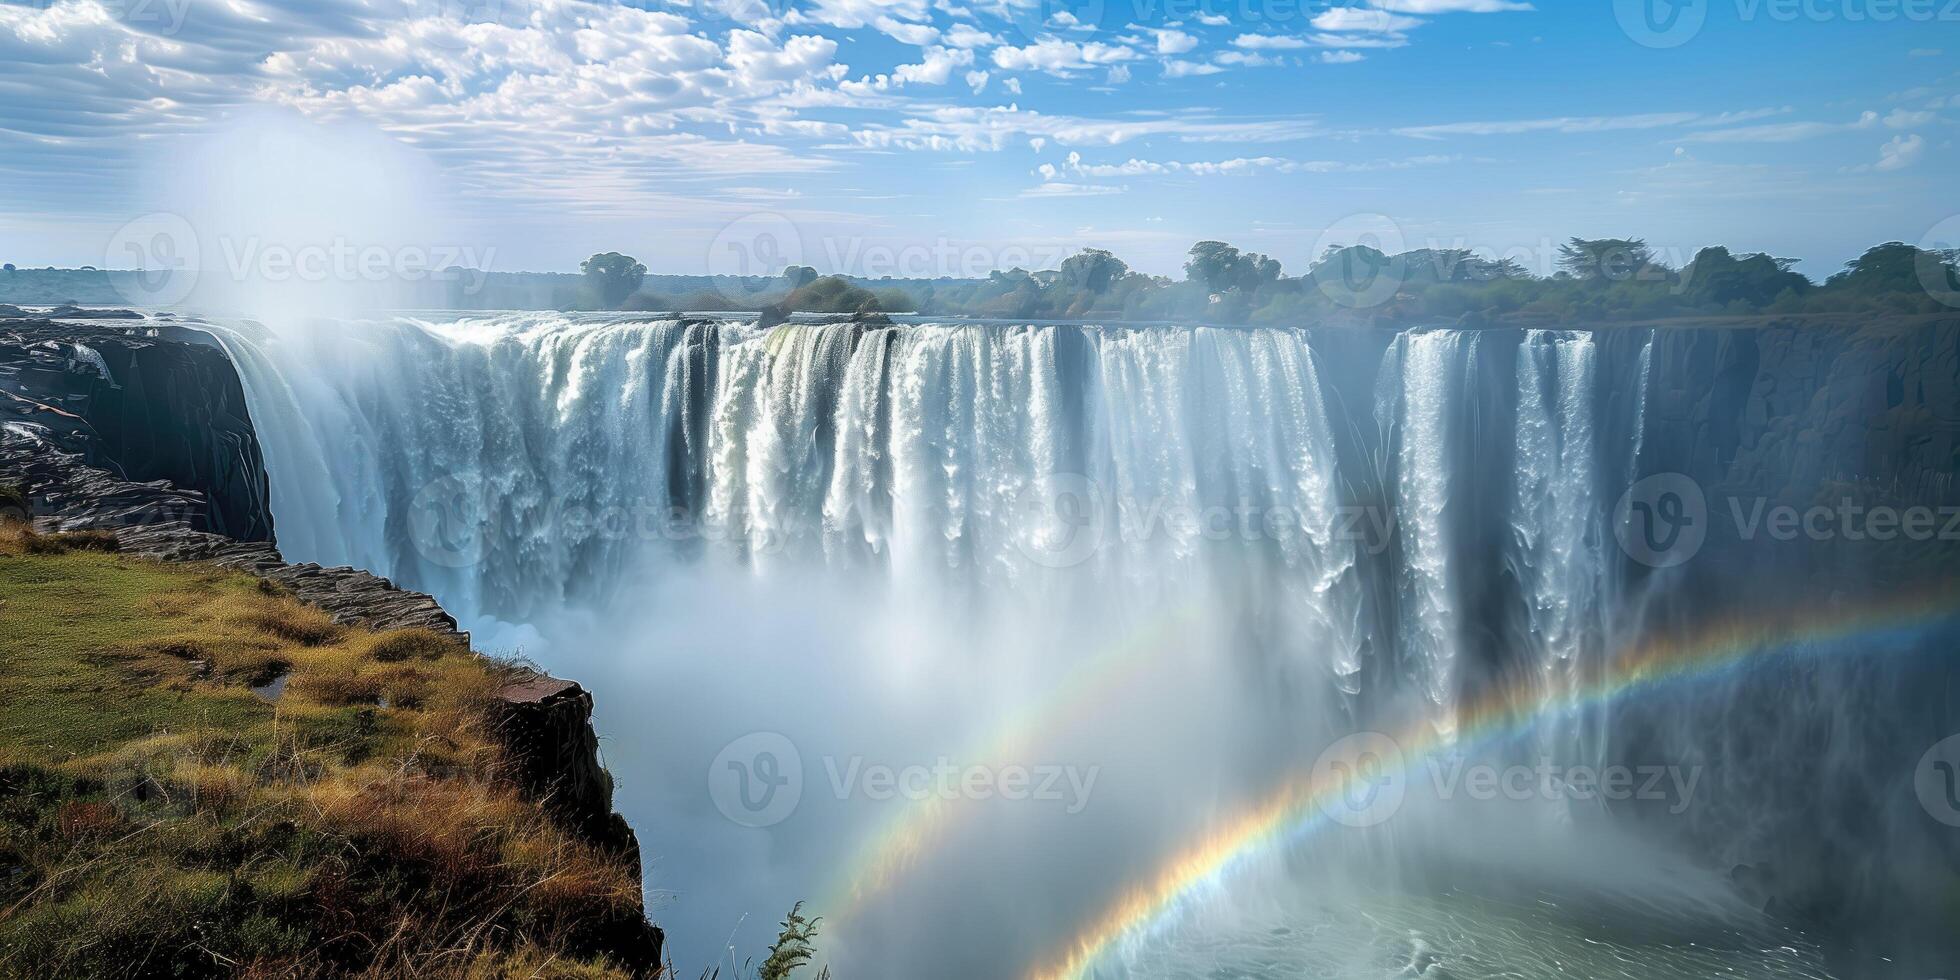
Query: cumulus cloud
{"x":1900,"y":152}
{"x":1173,"y":42}
{"x":1059,"y":57}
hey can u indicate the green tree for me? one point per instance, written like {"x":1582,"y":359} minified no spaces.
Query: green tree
{"x":1223,"y":268}
{"x":611,"y":277}
{"x":1606,"y":259}
{"x":1092,"y":270}
{"x":1718,"y":278}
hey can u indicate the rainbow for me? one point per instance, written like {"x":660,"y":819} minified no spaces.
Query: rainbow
{"x":891,"y":850}
{"x":1297,"y":806}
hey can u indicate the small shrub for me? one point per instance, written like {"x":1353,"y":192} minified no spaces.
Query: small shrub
{"x":299,"y":624}
{"x":80,"y":820}
{"x":338,"y":689}
{"x":42,"y":544}
{"x":411,"y":644}
{"x":90,"y":540}
{"x":14,"y":504}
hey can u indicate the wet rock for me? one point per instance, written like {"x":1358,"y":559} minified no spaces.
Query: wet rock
{"x":147,"y":402}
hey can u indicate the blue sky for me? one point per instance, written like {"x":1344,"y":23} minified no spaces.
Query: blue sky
{"x":947,"y":137}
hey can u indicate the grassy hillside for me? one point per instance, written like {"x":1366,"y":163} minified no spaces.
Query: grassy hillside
{"x":202,"y":777}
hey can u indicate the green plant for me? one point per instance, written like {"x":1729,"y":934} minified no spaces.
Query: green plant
{"x":793,"y":948}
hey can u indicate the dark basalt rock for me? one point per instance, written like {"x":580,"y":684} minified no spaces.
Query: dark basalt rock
{"x":144,"y":402}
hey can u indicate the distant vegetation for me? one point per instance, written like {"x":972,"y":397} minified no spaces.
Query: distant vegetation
{"x":1594,"y":280}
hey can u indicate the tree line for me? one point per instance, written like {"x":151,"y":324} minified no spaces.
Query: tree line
{"x":1595,"y":279}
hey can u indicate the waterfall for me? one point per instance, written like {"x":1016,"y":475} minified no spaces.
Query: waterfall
{"x":1555,"y":520}
{"x":1419,"y":399}
{"x":513,"y":463}
{"x":1197,"y":556}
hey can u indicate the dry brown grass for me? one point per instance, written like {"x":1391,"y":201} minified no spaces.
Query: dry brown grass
{"x":168,"y":821}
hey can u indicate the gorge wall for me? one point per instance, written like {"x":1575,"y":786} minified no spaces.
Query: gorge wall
{"x":144,"y":400}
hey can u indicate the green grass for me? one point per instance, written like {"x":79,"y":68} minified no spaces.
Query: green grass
{"x":159,"y":818}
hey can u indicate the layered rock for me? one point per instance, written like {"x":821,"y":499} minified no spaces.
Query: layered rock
{"x":144,"y":401}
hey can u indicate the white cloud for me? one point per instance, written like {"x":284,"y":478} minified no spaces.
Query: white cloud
{"x":1214,"y":20}
{"x":968,"y":36}
{"x":1899,"y":153}
{"x":1906,"y":119}
{"x":1359,"y":19}
{"x":1061,"y":189}
{"x":1059,"y":57}
{"x":1560,"y":124}
{"x":1172,"y":42}
{"x":1268,"y":42}
{"x":1189,"y":69}
{"x":936,"y":69}
{"x":1452,"y":6}
{"x":1783,"y":132}
{"x":1234,"y":167}
{"x":977,"y":81}
{"x":1340,"y":57}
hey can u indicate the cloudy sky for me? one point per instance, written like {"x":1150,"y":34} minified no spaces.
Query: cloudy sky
{"x":946,"y":136}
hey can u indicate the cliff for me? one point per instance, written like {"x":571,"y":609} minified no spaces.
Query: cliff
{"x":70,"y":421}
{"x":144,"y":402}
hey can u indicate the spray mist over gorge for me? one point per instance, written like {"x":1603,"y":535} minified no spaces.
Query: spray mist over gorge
{"x":1184,"y":651}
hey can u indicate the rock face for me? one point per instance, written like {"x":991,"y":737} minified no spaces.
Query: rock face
{"x":144,"y":402}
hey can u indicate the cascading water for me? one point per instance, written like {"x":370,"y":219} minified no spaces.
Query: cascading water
{"x":1556,"y":519}
{"x":1180,"y":561}
{"x":1419,"y":399}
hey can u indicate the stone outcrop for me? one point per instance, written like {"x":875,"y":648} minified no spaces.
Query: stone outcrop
{"x":144,"y":401}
